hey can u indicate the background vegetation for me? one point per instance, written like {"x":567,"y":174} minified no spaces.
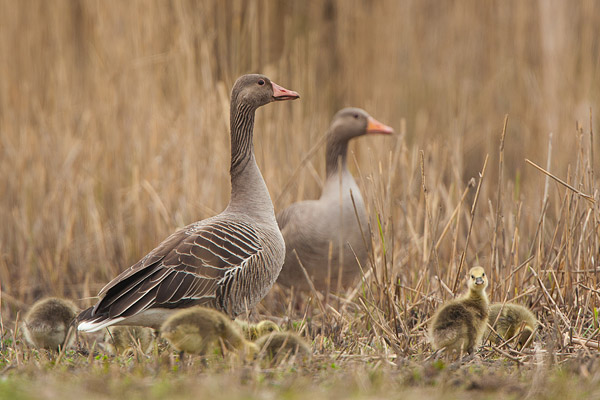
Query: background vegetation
{"x":114,"y":132}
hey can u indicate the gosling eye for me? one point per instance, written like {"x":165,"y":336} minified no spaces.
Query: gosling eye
{"x":483,"y":274}
{"x":261,"y":82}
{"x":355,"y":116}
{"x":472,"y":277}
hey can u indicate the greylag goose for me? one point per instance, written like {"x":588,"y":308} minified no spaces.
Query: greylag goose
{"x":227,"y":262}
{"x":309,"y":227}
{"x":459,"y":324}
{"x":47,"y":322}
{"x":511,"y":319}
{"x":200,"y":330}
{"x":278,"y":345}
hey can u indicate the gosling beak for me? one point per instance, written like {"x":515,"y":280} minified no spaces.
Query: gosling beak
{"x":375,"y":126}
{"x":281,"y":93}
{"x":479,"y":280}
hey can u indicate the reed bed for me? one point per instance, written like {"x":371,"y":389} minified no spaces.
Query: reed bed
{"x":114,"y":132}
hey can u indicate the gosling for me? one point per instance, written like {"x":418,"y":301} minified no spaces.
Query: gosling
{"x":199,"y":330}
{"x":254,"y":331}
{"x":459,"y":325}
{"x":47,"y":322}
{"x":510,"y":320}
{"x":278,"y":345}
{"x":122,"y":339}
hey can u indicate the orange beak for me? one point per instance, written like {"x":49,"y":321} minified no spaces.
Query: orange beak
{"x":375,"y":126}
{"x":281,"y":93}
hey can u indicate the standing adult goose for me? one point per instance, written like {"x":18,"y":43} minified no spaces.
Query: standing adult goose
{"x":309,"y":227}
{"x":227,"y":262}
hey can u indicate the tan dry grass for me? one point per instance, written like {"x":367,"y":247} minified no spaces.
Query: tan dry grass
{"x":113,"y":132}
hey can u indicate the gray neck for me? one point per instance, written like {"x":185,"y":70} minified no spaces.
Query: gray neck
{"x":249,"y":193}
{"x":336,"y":152}
{"x":241,"y":121}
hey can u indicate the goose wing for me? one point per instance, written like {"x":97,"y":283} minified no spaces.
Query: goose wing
{"x":193,"y":266}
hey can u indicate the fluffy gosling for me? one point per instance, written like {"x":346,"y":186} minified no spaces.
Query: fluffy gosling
{"x":199,"y":330}
{"x":122,"y":339}
{"x":459,"y":324}
{"x":254,"y":331}
{"x":509,"y":320}
{"x":278,"y":345}
{"x":47,"y":322}
{"x":266,"y":326}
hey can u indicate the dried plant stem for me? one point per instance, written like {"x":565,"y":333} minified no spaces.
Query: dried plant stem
{"x":310,"y":284}
{"x":565,"y":184}
{"x":495,"y":256}
{"x":303,"y":162}
{"x":470,"y":185}
{"x":429,"y":221}
{"x":473,"y":209}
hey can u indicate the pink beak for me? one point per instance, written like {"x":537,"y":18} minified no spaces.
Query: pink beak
{"x":281,"y":93}
{"x":375,"y":126}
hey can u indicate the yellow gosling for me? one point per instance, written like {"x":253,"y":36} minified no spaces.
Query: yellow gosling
{"x":254,"y":331}
{"x":459,"y":324}
{"x":510,"y":320}
{"x":46,"y":324}
{"x":247,"y":329}
{"x":264,"y":327}
{"x":202,"y":331}
{"x":121,"y":339}
{"x":279,"y":345}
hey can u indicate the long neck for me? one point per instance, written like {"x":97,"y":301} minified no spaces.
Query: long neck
{"x":241,"y":121}
{"x":336,"y":152}
{"x":249,"y":193}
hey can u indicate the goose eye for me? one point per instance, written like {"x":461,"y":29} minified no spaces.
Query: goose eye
{"x":261,"y":82}
{"x":355,"y":116}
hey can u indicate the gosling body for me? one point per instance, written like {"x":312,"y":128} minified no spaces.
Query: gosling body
{"x":254,"y":331}
{"x":277,"y":345}
{"x":459,"y":325}
{"x":46,"y":324}
{"x":509,"y":320}
{"x":200,"y":330}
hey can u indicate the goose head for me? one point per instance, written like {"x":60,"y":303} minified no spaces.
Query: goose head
{"x":352,"y":122}
{"x":255,"y":90}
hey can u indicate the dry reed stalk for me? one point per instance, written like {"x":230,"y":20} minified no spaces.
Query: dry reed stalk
{"x":122,"y":136}
{"x":473,"y":208}
{"x":495,"y":262}
{"x":565,"y":184}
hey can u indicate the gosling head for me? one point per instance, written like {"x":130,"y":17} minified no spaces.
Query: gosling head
{"x":266,"y":326}
{"x":477,"y":280}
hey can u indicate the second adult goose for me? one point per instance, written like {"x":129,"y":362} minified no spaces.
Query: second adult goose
{"x":309,"y":227}
{"x":227,"y":262}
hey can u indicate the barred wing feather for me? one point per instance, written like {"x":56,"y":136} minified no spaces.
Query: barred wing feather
{"x":193,"y":266}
